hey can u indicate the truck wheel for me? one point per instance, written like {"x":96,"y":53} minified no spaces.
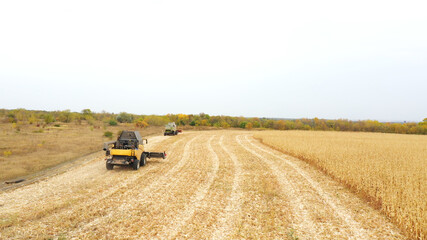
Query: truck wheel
{"x":143,"y":160}
{"x":135,"y":164}
{"x":109,"y":166}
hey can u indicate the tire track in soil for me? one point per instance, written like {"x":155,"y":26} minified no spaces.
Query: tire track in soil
{"x":41,"y":223}
{"x":301,"y":219}
{"x":156,"y":203}
{"x":123,"y":228}
{"x":265,"y":209}
{"x":228,"y":187}
{"x":46,"y":225}
{"x":201,"y":224}
{"x":227,"y":219}
{"x":60,"y":185}
{"x":152,"y":204}
{"x":196,"y":201}
{"x":357,"y":232}
{"x":123,"y":205}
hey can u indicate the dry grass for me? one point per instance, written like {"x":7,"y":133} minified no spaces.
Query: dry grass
{"x":389,"y":169}
{"x":33,"y":148}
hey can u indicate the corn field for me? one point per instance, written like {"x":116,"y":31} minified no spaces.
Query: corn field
{"x":388,"y":169}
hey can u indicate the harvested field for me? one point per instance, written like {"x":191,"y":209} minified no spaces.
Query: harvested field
{"x":212,"y":185}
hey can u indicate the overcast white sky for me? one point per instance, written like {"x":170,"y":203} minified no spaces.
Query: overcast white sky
{"x":290,"y":59}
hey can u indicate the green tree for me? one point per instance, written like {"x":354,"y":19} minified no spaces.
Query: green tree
{"x":21,"y":114}
{"x":154,"y":120}
{"x":243,"y":124}
{"x":65,"y":116}
{"x":256,"y":124}
{"x":88,"y":116}
{"x":87,"y":113}
{"x":290,"y":125}
{"x":124,"y":117}
{"x":48,"y":118}
{"x":268,"y":123}
{"x":32,"y":119}
{"x":12,"y":118}
{"x":112,"y":122}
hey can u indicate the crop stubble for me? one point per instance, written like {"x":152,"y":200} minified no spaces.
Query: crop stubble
{"x":214,"y":184}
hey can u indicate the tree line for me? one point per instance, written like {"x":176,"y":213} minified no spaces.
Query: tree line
{"x":24,"y":116}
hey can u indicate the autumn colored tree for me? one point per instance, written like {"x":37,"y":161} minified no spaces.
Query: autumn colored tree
{"x":48,"y":118}
{"x":289,"y":125}
{"x":66,"y":116}
{"x":154,"y":120}
{"x":204,"y":122}
{"x":183,"y":119}
{"x":22,"y":116}
{"x":268,"y":123}
{"x":280,"y":125}
{"x":87,"y":114}
{"x":141,"y":123}
{"x":224,"y":124}
{"x":32,"y":119}
{"x":299,"y":125}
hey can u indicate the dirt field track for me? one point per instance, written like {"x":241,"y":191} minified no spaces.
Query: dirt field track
{"x":212,"y":185}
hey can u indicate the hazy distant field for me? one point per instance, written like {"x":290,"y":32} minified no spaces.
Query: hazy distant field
{"x":389,"y":169}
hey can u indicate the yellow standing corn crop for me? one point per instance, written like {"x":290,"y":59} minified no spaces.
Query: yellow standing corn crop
{"x":390,"y":169}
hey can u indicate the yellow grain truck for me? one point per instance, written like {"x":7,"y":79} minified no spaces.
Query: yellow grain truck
{"x":129,"y":150}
